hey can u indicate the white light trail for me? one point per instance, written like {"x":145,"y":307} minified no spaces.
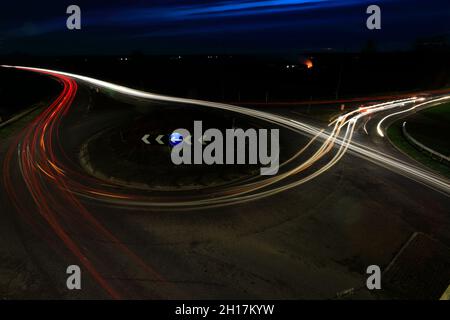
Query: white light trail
{"x":347,"y":121}
{"x":380,"y":131}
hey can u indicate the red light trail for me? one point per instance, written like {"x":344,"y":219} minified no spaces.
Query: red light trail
{"x":55,"y":203}
{"x":57,"y":185}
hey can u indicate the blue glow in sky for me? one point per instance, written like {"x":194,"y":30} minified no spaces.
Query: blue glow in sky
{"x":193,"y":26}
{"x":249,"y":7}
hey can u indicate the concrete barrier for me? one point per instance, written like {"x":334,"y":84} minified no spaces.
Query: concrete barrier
{"x":434,"y":154}
{"x":19,"y":116}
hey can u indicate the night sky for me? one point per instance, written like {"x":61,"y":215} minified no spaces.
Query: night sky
{"x":224,"y":26}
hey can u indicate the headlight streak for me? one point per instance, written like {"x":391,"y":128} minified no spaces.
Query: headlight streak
{"x":53,"y":200}
{"x":55,"y":186}
{"x":235,"y":194}
{"x":380,"y":131}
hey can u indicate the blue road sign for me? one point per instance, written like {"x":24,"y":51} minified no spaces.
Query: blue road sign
{"x":175,"y":138}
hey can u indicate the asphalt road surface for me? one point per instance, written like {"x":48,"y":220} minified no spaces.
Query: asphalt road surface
{"x":349,"y":200}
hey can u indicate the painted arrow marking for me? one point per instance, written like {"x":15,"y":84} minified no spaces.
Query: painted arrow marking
{"x":158,"y":139}
{"x":203,"y":139}
{"x":145,"y":139}
{"x":188,"y":140}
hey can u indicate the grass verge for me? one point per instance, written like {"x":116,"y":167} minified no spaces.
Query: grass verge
{"x":396,"y":136}
{"x":430,"y":127}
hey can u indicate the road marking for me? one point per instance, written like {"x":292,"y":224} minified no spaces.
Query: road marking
{"x":145,"y":139}
{"x":158,"y":139}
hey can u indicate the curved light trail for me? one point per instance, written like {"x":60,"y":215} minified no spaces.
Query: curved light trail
{"x":253,"y":191}
{"x":428,"y":103}
{"x":58,"y":188}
